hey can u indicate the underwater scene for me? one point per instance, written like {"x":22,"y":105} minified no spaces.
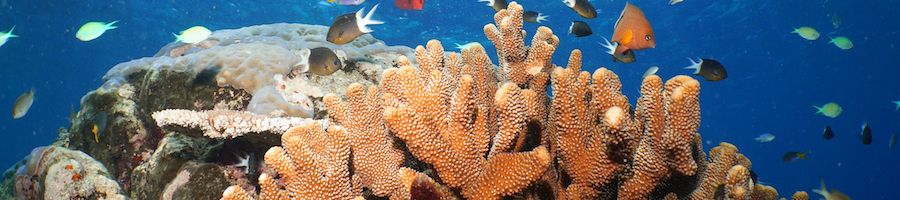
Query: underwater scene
{"x":450,"y":99}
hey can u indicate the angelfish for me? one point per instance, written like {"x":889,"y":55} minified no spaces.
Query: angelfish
{"x":632,"y":32}
{"x":349,"y":26}
{"x":92,"y":30}
{"x":582,"y":7}
{"x":709,"y":69}
{"x":497,"y":5}
{"x":5,"y":36}
{"x":23,"y":104}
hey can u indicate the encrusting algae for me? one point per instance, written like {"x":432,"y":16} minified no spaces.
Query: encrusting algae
{"x":453,"y":128}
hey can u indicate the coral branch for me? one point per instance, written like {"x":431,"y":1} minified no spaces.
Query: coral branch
{"x":227,"y":123}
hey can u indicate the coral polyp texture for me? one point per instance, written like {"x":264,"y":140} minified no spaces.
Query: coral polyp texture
{"x":238,"y":114}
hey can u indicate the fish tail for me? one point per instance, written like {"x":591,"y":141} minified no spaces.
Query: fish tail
{"x":818,"y":109}
{"x":541,"y":17}
{"x":177,"y":37}
{"x":10,"y":33}
{"x":695,"y":65}
{"x":110,"y":26}
{"x":363,"y":22}
{"x":610,"y":47}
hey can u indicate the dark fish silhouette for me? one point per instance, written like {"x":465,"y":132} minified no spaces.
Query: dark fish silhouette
{"x":580,"y":29}
{"x":793,"y":156}
{"x":866,"y":134}
{"x":497,"y":5}
{"x":348,"y":27}
{"x":534,"y":17}
{"x":582,"y":7}
{"x":709,"y":69}
{"x":323,"y":61}
{"x":828,"y":134}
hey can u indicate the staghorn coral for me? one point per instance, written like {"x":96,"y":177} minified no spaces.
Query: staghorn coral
{"x":721,"y":159}
{"x":518,"y":63}
{"x":226,"y":123}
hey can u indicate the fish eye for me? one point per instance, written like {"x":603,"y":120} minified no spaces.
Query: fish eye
{"x":648,"y":37}
{"x":337,"y":62}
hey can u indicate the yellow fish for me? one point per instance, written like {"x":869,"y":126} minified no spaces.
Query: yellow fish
{"x":830,"y":109}
{"x":94,"y":130}
{"x":193,"y":35}
{"x":23,"y":104}
{"x":92,"y":30}
{"x":5,"y":36}
{"x":842,"y":42}
{"x":807,"y":33}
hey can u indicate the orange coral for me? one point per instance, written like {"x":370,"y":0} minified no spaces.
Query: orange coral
{"x":800,"y":195}
{"x":517,"y":62}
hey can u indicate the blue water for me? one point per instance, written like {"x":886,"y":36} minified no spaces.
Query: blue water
{"x":774,"y":79}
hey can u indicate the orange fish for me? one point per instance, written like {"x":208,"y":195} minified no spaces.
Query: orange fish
{"x":632,"y":31}
{"x":409,"y":4}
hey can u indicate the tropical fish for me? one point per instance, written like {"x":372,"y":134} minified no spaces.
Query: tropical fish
{"x":830,"y":195}
{"x":830,"y":109}
{"x":467,"y":45}
{"x":632,"y":32}
{"x":866,"y":134}
{"x":807,"y":32}
{"x":835,"y":21}
{"x":828,"y":134}
{"x":793,"y":156}
{"x":92,"y":30}
{"x":349,"y":2}
{"x":409,"y":4}
{"x":323,"y":61}
{"x":582,"y":7}
{"x":534,"y":17}
{"x":897,"y":104}
{"x":497,"y":5}
{"x":5,"y":36}
{"x":580,"y":29}
{"x":842,"y":42}
{"x":709,"y":69}
{"x":193,"y":35}
{"x":767,"y":137}
{"x":99,"y":125}
{"x":23,"y":103}
{"x":892,"y":141}
{"x":624,"y":57}
{"x":650,"y":72}
{"x":675,"y":2}
{"x":349,"y":26}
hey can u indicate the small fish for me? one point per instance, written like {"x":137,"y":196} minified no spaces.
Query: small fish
{"x":897,"y":104}
{"x":866,"y":134}
{"x":580,"y":29}
{"x":768,"y":137}
{"x":709,"y":69}
{"x":99,"y":125}
{"x":626,"y":56}
{"x":832,"y":195}
{"x":836,"y":21}
{"x":828,"y":134}
{"x":675,"y":2}
{"x":497,"y":5}
{"x":842,"y":42}
{"x":830,"y":109}
{"x":650,"y":72}
{"x":323,"y":61}
{"x":5,"y":36}
{"x":92,"y":30}
{"x":534,"y":17}
{"x":349,"y":26}
{"x":23,"y":103}
{"x":892,"y":141}
{"x":350,"y":2}
{"x":794,"y":156}
{"x":467,"y":45}
{"x":193,"y":35}
{"x":807,"y":32}
{"x":409,"y":4}
{"x":582,"y":7}
{"x":632,"y":32}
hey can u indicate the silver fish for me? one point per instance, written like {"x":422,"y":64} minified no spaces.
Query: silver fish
{"x":23,"y":103}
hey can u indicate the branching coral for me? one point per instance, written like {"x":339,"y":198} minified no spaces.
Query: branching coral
{"x":226,"y":123}
{"x":800,"y":195}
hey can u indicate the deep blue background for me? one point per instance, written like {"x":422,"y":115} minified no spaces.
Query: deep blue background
{"x":775,"y":76}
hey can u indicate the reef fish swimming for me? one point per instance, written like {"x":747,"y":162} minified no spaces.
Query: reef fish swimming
{"x":830,"y":109}
{"x":497,"y":5}
{"x":349,"y":2}
{"x":409,"y":4}
{"x":5,"y":36}
{"x":323,"y":61}
{"x":93,"y":30}
{"x":841,"y":42}
{"x":830,"y":195}
{"x":767,"y":137}
{"x":349,"y":26}
{"x":534,"y":17}
{"x":193,"y":35}
{"x":580,"y":29}
{"x":650,"y":72}
{"x":828,"y":134}
{"x":632,"y":32}
{"x":23,"y":104}
{"x":807,"y":33}
{"x":582,"y":7}
{"x":793,"y":156}
{"x":866,"y":134}
{"x":709,"y":69}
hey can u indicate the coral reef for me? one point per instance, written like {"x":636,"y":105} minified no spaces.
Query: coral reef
{"x":227,"y":123}
{"x":800,"y":195}
{"x":59,"y":173}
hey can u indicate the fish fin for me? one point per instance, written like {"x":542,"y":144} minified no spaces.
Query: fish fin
{"x":541,"y":18}
{"x":10,"y":33}
{"x":830,"y":40}
{"x":363,"y":22}
{"x":695,"y":65}
{"x":818,"y":109}
{"x":610,"y":47}
{"x":571,"y":26}
{"x":110,"y":26}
